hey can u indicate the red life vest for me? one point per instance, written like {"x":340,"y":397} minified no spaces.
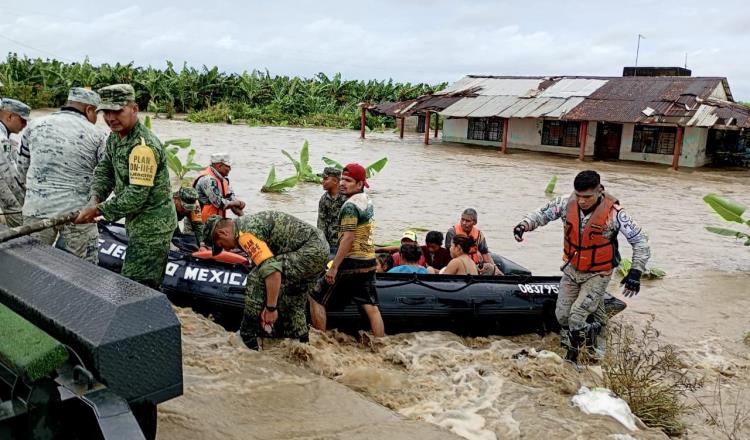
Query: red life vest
{"x":209,"y":209}
{"x":474,"y":251}
{"x":588,"y":250}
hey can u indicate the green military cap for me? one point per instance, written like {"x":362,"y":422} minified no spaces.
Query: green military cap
{"x":330,"y":172}
{"x":116,"y":96}
{"x":84,"y":96}
{"x":208,"y":234}
{"x":15,"y":106}
{"x":188,"y":196}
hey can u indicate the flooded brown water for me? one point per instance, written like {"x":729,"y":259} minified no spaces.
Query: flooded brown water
{"x":474,"y":387}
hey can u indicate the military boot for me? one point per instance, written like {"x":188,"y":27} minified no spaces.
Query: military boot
{"x":577,"y":341}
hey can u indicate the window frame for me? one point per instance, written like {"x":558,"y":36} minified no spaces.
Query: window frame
{"x":569,"y":130}
{"x":659,"y":138}
{"x":485,"y":129}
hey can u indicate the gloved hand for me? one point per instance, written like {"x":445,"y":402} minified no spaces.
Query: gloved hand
{"x":632,"y":282}
{"x":518,"y":231}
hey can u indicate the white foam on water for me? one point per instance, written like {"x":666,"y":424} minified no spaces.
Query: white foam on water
{"x":602,"y":401}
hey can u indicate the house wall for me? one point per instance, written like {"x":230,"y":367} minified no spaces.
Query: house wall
{"x":693,"y":152}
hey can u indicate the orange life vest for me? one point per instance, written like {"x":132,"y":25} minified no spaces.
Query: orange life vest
{"x":209,"y":209}
{"x":474,"y":251}
{"x":588,"y":250}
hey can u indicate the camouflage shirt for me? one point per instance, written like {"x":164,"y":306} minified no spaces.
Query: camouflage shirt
{"x":11,"y":183}
{"x":328,"y":216}
{"x":192,"y":222}
{"x":268,"y":234}
{"x":145,"y":208}
{"x":58,"y":155}
{"x":618,"y":222}
{"x":210,"y":193}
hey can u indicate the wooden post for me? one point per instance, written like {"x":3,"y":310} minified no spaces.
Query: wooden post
{"x":427,"y":127}
{"x":506,"y":124}
{"x":362,"y":122}
{"x":677,"y":148}
{"x":401,"y":129}
{"x":584,"y":134}
{"x":437,"y":123}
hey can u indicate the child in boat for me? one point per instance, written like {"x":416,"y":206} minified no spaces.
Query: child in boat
{"x":461,"y":264}
{"x":384,"y":262}
{"x":410,"y":256}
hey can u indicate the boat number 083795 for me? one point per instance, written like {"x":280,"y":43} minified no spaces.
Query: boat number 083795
{"x":544,"y":289}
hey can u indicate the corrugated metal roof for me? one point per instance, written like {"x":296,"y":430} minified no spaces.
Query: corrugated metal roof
{"x":465,"y":106}
{"x":569,"y":104}
{"x":491,"y":86}
{"x":718,"y":112}
{"x":494,"y":106}
{"x":569,"y":87}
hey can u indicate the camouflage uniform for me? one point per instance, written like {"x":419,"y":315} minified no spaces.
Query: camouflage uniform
{"x":57,"y":158}
{"x":581,"y":294}
{"x":12,"y":189}
{"x":328,"y":216}
{"x":299,"y":251}
{"x":192,"y":222}
{"x":149,"y":212}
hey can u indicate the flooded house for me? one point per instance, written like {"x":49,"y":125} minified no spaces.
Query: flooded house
{"x":650,"y":114}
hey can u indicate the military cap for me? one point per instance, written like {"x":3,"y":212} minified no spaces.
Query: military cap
{"x":221,"y":158}
{"x":330,"y":172}
{"x":208,"y":234}
{"x":15,"y":106}
{"x":84,"y":96}
{"x":116,"y":96}
{"x":188,"y":196}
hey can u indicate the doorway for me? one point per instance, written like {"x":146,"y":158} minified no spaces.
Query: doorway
{"x":607,"y":142}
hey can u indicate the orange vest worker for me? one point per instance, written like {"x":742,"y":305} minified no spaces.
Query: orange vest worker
{"x":209,"y":209}
{"x":588,"y":250}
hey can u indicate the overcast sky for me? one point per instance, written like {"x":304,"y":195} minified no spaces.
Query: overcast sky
{"x":415,"y":41}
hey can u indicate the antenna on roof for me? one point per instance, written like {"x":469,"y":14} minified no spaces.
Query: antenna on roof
{"x":637,"y":51}
{"x":686,"y":60}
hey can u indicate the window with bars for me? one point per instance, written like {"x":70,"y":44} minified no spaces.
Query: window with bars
{"x":485,"y":129}
{"x":658,"y":140}
{"x":560,"y":133}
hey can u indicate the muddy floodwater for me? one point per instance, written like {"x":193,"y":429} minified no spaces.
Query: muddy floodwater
{"x":474,"y":386}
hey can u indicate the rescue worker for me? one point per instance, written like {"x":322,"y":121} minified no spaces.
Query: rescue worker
{"x":214,"y":193}
{"x":288,"y":256}
{"x":134,"y":166}
{"x":329,"y":206}
{"x":14,"y":116}
{"x":58,"y":156}
{"x":592,"y":219}
{"x":479,"y":253}
{"x":351,"y":276}
{"x":186,"y":206}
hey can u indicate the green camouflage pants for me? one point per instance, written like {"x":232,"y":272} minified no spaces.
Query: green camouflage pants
{"x":79,"y":240}
{"x":146,"y":257}
{"x":301,"y":269}
{"x":582,"y":295}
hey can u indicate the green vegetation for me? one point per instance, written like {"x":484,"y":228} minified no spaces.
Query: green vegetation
{"x":208,"y":95}
{"x":177,"y":167}
{"x":371,"y":169}
{"x":652,"y":273}
{"x":305,"y":172}
{"x":550,"y":189}
{"x":730,"y":211}
{"x":275,"y":186}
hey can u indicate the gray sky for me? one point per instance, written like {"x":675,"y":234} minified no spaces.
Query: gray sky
{"x":415,"y":41}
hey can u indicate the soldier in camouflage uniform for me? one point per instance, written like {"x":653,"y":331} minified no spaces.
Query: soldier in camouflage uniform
{"x":593,"y":219}
{"x":134,"y":166}
{"x":288,"y":255}
{"x":188,"y":211}
{"x":57,"y":159}
{"x":13,"y":118}
{"x":329,"y":206}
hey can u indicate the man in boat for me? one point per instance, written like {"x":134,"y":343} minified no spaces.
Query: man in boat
{"x":214,"y":193}
{"x":329,"y":205}
{"x":480,"y":253}
{"x":435,"y":255}
{"x":134,"y":168}
{"x":13,"y":118}
{"x":351,"y":276}
{"x":409,"y":237}
{"x":57,"y":159}
{"x":288,"y":256}
{"x":188,"y":212}
{"x":592,"y":218}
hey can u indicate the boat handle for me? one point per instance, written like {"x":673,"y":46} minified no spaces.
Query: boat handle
{"x":412,"y":301}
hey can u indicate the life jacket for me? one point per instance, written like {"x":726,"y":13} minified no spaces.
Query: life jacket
{"x":474,"y":234}
{"x":209,"y":209}
{"x":588,"y":250}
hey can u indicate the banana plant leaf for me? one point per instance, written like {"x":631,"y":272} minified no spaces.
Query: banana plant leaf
{"x":652,"y":273}
{"x":181,"y":142}
{"x":272,"y":185}
{"x":174,"y":164}
{"x":389,"y":243}
{"x":376,"y":167}
{"x":294,"y":161}
{"x":551,"y":185}
{"x":729,"y":210}
{"x":727,"y":232}
{"x":332,"y":163}
{"x":147,"y":122}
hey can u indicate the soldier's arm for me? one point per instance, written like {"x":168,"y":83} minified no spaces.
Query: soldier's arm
{"x":196,"y":223}
{"x":23,"y":160}
{"x":321,"y":223}
{"x":547,"y":213}
{"x":213,"y":192}
{"x":637,"y":238}
{"x":104,"y":178}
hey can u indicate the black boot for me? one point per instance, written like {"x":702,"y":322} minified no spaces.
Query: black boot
{"x":577,"y":341}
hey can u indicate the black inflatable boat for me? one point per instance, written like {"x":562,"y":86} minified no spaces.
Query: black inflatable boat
{"x":517,"y":302}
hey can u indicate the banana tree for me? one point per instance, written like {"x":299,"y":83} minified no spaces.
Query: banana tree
{"x":275,"y":186}
{"x":371,"y":169}
{"x":730,"y":211}
{"x":305,"y":172}
{"x":178,"y":168}
{"x":550,"y":189}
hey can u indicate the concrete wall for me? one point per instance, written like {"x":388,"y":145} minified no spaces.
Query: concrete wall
{"x":456,"y":130}
{"x":693,"y":148}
